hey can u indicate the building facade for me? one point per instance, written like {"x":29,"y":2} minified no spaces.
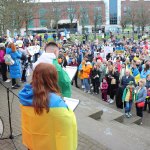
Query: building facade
{"x":84,"y":13}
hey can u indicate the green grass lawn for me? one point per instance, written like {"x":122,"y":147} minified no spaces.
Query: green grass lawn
{"x":91,"y":37}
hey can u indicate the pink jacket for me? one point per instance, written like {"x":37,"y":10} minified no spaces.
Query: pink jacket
{"x":2,"y":54}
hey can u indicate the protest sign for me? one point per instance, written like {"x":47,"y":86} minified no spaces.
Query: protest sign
{"x":33,"y":49}
{"x":71,"y":71}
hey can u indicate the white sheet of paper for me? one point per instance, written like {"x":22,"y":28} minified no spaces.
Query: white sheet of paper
{"x":71,"y":71}
{"x":71,"y":103}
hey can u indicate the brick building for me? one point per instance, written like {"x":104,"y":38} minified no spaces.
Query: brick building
{"x":109,"y":13}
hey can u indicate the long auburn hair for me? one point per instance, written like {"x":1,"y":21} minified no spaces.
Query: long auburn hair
{"x":44,"y":81}
{"x":12,"y":46}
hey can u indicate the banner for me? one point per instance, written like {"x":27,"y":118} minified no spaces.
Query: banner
{"x":120,"y":50}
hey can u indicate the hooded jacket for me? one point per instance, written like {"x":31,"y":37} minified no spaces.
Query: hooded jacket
{"x":15,"y":69}
{"x":86,"y":71}
{"x":55,"y":130}
{"x":64,"y":81}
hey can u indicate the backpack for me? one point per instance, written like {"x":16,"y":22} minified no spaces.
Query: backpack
{"x":8,"y":60}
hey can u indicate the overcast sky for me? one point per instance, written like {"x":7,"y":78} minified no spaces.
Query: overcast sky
{"x":65,"y":0}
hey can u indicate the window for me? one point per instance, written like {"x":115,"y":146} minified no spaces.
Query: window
{"x":71,"y":13}
{"x":84,"y":16}
{"x":97,"y":15}
{"x":31,"y":24}
{"x":113,"y":11}
{"x":42,"y":14}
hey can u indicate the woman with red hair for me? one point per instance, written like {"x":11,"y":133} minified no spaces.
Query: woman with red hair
{"x":47,"y":122}
{"x":15,"y":69}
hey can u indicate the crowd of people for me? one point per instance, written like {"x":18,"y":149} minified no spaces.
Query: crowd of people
{"x":122,"y":75}
{"x":116,"y":70}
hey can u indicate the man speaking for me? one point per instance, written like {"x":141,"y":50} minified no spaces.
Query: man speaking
{"x":50,"y":56}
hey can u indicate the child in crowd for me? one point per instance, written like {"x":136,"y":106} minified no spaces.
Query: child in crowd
{"x":95,"y":79}
{"x":104,"y":88}
{"x":129,"y":98}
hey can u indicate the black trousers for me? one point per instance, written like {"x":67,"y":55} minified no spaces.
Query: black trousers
{"x":4,"y":71}
{"x":119,"y":94}
{"x":112,"y":90}
{"x":75,"y":79}
{"x":13,"y":82}
{"x":96,"y":85}
{"x":147,"y":102}
{"x":23,"y":78}
{"x":139,"y":111}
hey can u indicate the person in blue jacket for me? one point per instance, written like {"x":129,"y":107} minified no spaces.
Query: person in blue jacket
{"x":141,"y":93}
{"x":15,"y":69}
{"x":145,"y":72}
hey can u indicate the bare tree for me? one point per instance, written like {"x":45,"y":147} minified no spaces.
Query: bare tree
{"x":56,"y":13}
{"x":132,"y":14}
{"x":143,"y":15}
{"x":16,"y":14}
{"x":97,"y":19}
{"x":72,"y":12}
{"x":124,"y":22}
{"x":84,"y":18}
{"x":29,"y":9}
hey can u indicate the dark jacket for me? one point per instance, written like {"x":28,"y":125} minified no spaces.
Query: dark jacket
{"x":125,"y":81}
{"x":147,"y":84}
{"x":115,"y":75}
{"x":94,"y":73}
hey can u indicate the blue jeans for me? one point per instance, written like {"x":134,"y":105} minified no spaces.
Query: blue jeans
{"x":128,"y":107}
{"x":86,"y":84}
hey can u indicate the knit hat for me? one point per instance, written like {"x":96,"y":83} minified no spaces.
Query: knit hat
{"x":131,"y":83}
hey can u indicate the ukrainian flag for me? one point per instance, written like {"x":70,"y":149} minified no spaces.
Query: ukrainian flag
{"x":136,"y":74}
{"x":55,"y":130}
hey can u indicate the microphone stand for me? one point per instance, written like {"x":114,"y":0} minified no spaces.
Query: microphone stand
{"x":11,"y":136}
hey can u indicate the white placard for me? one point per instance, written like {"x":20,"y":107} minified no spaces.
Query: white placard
{"x":108,"y":49}
{"x":33,"y":49}
{"x":71,"y":71}
{"x":71,"y":103}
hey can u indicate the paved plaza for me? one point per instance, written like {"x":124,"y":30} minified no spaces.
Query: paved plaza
{"x":89,"y":138}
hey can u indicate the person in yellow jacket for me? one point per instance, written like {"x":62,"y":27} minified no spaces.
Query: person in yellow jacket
{"x":47,"y":122}
{"x":86,"y":68}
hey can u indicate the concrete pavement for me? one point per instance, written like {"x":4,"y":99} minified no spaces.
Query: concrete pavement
{"x":97,"y":131}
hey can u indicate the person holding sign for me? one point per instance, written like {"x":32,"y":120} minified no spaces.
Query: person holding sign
{"x":50,"y":56}
{"x":47,"y":122}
